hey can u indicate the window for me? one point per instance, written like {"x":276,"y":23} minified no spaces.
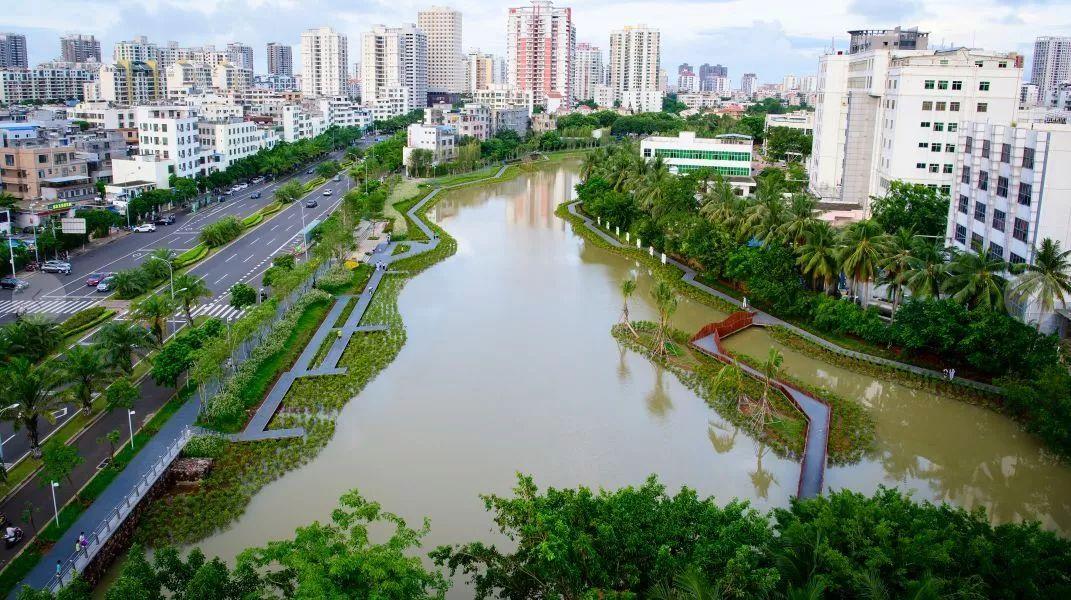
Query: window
{"x":968,"y":144}
{"x":924,"y":144}
{"x":953,"y":106}
{"x":998,"y":219}
{"x":976,"y":242}
{"x":928,"y":85}
{"x":938,"y":126}
{"x":947,"y":168}
{"x":925,"y":124}
{"x":920,"y":165}
{"x":940,"y":106}
{"x":935,"y":147}
{"x":946,"y":190}
{"x":1005,"y":153}
{"x":1002,"y":187}
{"x":935,"y":168}
{"x":983,"y":86}
{"x":927,"y":105}
{"x":983,"y":107}
{"x":1028,"y":158}
{"x":1025,"y":190}
{"x":965,"y":177}
{"x":1002,"y":64}
{"x":961,"y":234}
{"x":1020,"y":230}
{"x":985,"y":148}
{"x":950,"y":147}
{"x":942,"y":85}
{"x":1015,"y":259}
{"x":983,"y":180}
{"x":962,"y":204}
{"x":996,"y":251}
{"x":979,"y":63}
{"x":957,"y":85}
{"x":979,"y":211}
{"x":953,"y":126}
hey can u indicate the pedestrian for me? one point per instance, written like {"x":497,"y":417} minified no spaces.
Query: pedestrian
{"x":951,"y":374}
{"x":59,"y":568}
{"x":83,"y":541}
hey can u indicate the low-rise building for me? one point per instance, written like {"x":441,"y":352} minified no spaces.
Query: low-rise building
{"x":499,"y":96}
{"x":99,"y":149}
{"x":102,"y":114}
{"x":544,"y":122}
{"x":800,"y":119}
{"x":1012,"y":190}
{"x":729,"y":154}
{"x":700,"y":100}
{"x":300,"y":124}
{"x":39,"y":170}
{"x":515,"y":119}
{"x":440,"y":140}
{"x":227,"y":140}
{"x":471,"y":120}
{"x":390,"y":102}
{"x":339,"y":111}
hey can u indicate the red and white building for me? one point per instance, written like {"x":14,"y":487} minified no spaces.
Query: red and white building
{"x":540,"y":46}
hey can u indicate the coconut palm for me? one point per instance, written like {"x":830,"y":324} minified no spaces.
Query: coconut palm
{"x":666,"y":303}
{"x":863,"y":244}
{"x":689,"y":584}
{"x":802,"y":213}
{"x":770,"y":368}
{"x":722,"y":205}
{"x":628,"y":287}
{"x":34,"y":336}
{"x":818,"y":257}
{"x":927,"y":270}
{"x":592,"y":161}
{"x":977,"y":280}
{"x":157,"y":262}
{"x":765,"y":216}
{"x":189,"y":289}
{"x":121,"y":341}
{"x":154,"y":312}
{"x":895,"y":265}
{"x":1048,"y":278}
{"x":651,"y":191}
{"x":33,"y":389}
{"x":86,"y":368}
{"x":729,"y":384}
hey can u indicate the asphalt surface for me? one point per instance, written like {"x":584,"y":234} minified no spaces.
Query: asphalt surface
{"x":242,"y":261}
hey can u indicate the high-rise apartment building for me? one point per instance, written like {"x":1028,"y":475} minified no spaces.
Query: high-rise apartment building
{"x":395,"y":57}
{"x":479,"y":71}
{"x":748,"y":83}
{"x":13,"y":51}
{"x":139,"y":49}
{"x":131,"y":82}
{"x":324,"y":60}
{"x":708,"y":75}
{"x":826,"y":163}
{"x":77,"y":48}
{"x":588,"y":72}
{"x":446,"y":62}
{"x":1052,"y":63}
{"x":540,"y":42}
{"x":240,"y":55}
{"x":635,"y":52}
{"x":280,"y":59}
{"x":43,"y":84}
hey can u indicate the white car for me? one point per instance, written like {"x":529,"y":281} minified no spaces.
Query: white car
{"x":145,"y":228}
{"x":328,"y":192}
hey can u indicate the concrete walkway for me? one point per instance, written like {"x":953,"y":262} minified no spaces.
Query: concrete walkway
{"x":765,"y":319}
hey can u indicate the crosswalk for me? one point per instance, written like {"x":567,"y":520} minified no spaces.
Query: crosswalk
{"x":45,"y":306}
{"x":218,"y":310}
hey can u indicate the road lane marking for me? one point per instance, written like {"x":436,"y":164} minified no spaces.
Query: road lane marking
{"x":247,"y":258}
{"x":231,"y":257}
{"x":219,"y":280}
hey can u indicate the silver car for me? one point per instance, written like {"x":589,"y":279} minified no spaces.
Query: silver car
{"x":56,"y":266}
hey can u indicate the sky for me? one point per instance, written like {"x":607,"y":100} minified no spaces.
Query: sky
{"x":771,"y":38}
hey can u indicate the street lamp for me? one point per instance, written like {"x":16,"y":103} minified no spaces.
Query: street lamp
{"x":2,"y":411}
{"x":10,"y":245}
{"x":130,"y":422}
{"x":171,"y":273}
{"x":55,"y":507}
{"x":304,"y":232}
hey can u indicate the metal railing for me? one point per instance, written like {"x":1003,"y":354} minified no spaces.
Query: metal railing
{"x":78,"y":560}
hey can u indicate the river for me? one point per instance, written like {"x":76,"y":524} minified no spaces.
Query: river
{"x":510,"y":367}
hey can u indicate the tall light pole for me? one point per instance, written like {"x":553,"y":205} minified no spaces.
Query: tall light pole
{"x":130,"y":422}
{"x":171,"y":273}
{"x":304,"y":232}
{"x":2,"y":411}
{"x":10,"y":245}
{"x":55,"y":507}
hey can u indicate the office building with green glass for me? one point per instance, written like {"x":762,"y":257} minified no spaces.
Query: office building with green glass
{"x":729,"y":155}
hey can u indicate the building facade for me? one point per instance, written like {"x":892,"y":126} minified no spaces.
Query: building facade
{"x":324,"y":60}
{"x":394,"y":58}
{"x":479,"y":71}
{"x":280,"y":59}
{"x":170,"y":134}
{"x":501,"y":96}
{"x":540,"y":42}
{"x":44,"y":84}
{"x":1052,"y":63}
{"x":635,"y":55}
{"x":40,"y":171}
{"x":446,"y":62}
{"x":131,"y":82}
{"x":78,"y":48}
{"x":589,"y":71}
{"x":13,"y":51}
{"x":240,"y":55}
{"x":729,"y":155}
{"x":440,"y":140}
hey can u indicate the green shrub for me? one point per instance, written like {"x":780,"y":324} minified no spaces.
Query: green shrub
{"x":205,"y":446}
{"x":191,"y":256}
{"x":336,"y":279}
{"x":81,"y":319}
{"x":220,"y":232}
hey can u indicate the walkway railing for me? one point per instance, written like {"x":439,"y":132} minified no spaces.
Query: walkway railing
{"x":78,"y":561}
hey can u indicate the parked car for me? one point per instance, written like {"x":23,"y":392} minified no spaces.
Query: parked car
{"x":328,"y":192}
{"x":105,"y":284}
{"x":255,"y":195}
{"x":56,"y":266}
{"x":165,"y":220}
{"x":145,"y":228}
{"x":13,"y":283}
{"x":241,"y":186}
{"x":228,"y":192}
{"x":311,"y":203}
{"x":338,"y":178}
{"x":95,"y":278}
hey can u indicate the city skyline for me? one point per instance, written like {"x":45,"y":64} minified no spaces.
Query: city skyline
{"x":799,"y":36}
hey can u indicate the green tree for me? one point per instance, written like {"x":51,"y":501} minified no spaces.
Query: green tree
{"x":121,"y":394}
{"x":863,"y":244}
{"x":189,"y":289}
{"x":780,"y":142}
{"x":33,"y":336}
{"x":242,"y":296}
{"x":159,"y":263}
{"x":328,"y":169}
{"x":221,"y":231}
{"x":628,"y":287}
{"x":154,"y":311}
{"x":729,"y":384}
{"x":1047,"y":278}
{"x":33,"y":389}
{"x":290,"y":191}
{"x":77,"y":589}
{"x":121,"y":341}
{"x":86,"y":368}
{"x":896,"y":264}
{"x":420,"y":162}
{"x":131,"y":283}
{"x":819,"y":256}
{"x":912,"y":206}
{"x":926,"y":270}
{"x":58,"y":461}
{"x":112,"y":438}
{"x":976,"y":280}
{"x":666,"y":304}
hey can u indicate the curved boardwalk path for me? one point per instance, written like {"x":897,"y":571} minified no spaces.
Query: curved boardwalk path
{"x":813,"y":467}
{"x":767,"y":320}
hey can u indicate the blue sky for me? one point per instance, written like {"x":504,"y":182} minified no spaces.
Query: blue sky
{"x":771,"y":38}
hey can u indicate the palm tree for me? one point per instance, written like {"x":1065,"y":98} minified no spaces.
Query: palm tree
{"x":32,"y":388}
{"x":592,"y":161}
{"x":802,"y":214}
{"x":666,"y":302}
{"x":189,"y":289}
{"x":863,"y":244}
{"x":121,"y":340}
{"x":818,"y":257}
{"x":86,"y":368}
{"x":895,"y":265}
{"x":689,"y":584}
{"x":770,"y":368}
{"x":157,"y":261}
{"x":154,"y":312}
{"x":651,"y":190}
{"x":977,"y":280}
{"x":729,"y":384}
{"x":628,"y":287}
{"x":1048,"y":278}
{"x":34,"y":336}
{"x":927,"y":270}
{"x":765,"y":216}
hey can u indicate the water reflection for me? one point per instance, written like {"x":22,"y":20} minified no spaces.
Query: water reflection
{"x":658,"y":399}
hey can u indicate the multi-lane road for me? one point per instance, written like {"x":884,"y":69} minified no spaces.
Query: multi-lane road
{"x":241,"y":261}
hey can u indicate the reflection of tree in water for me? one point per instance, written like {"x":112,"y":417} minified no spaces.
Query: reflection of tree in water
{"x":760,"y":477}
{"x":623,"y":372}
{"x":720,"y":438}
{"x":658,"y":401}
